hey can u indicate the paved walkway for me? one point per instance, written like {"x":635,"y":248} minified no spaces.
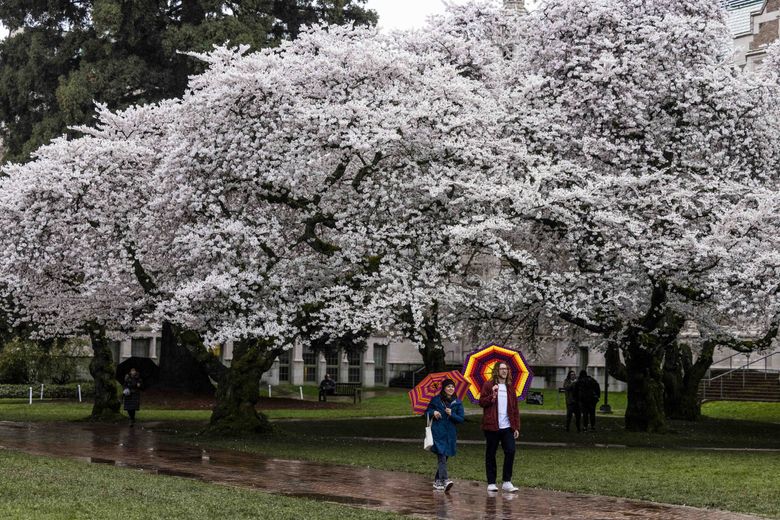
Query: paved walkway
{"x":404,"y":493}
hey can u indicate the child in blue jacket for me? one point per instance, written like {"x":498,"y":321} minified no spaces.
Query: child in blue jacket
{"x":446,"y":411}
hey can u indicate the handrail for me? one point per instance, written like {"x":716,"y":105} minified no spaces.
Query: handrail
{"x":728,"y":357}
{"x":743,"y":367}
{"x":414,"y":374}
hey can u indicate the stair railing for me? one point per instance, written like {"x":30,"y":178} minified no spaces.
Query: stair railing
{"x":706,"y":383}
{"x":416,"y":375}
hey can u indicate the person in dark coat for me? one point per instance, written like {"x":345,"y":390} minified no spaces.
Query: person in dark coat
{"x":327,"y":387}
{"x":588,"y":394}
{"x":572,"y":406}
{"x":446,"y":411}
{"x":501,"y":424}
{"x":132,"y":394}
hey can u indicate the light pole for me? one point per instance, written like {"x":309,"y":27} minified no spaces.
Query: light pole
{"x":606,"y":408}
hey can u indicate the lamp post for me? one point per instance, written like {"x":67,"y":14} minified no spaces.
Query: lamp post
{"x":606,"y":408}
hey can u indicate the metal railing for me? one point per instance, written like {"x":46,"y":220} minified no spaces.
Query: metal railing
{"x":708,"y":383}
{"x":416,"y":375}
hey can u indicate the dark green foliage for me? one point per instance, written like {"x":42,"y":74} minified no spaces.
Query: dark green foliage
{"x":25,"y":361}
{"x":53,"y":391}
{"x":63,"y":57}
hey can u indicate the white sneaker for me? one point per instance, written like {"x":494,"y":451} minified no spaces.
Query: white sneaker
{"x":448,"y":484}
{"x":438,"y":485}
{"x":509,"y":487}
{"x":492,"y":487}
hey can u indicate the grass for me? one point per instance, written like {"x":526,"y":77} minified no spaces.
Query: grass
{"x":66,"y":410}
{"x":673,"y":474}
{"x":662,"y":467}
{"x":44,"y":488}
{"x":749,"y":411}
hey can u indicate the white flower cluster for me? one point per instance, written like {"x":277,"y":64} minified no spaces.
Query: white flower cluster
{"x":483,"y":168}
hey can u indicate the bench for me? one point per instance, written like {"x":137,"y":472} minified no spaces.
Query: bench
{"x":535,"y":398}
{"x":352,"y":390}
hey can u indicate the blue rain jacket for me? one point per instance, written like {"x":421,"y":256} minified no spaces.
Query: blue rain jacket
{"x":444,"y":434}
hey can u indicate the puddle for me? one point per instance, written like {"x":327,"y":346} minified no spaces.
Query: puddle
{"x":98,"y":460}
{"x":336,"y":498}
{"x":355,"y":486}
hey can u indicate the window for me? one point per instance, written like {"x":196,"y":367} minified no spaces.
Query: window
{"x":354,"y":360}
{"x":139,"y":347}
{"x":332,"y":362}
{"x":310,"y":366}
{"x":380,"y":363}
{"x":115,"y":350}
{"x":284,"y":367}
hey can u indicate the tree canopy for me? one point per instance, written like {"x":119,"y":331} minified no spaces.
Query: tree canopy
{"x":412,"y":184}
{"x":63,"y":57}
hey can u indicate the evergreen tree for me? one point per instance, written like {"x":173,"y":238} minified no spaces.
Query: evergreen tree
{"x":62,"y":57}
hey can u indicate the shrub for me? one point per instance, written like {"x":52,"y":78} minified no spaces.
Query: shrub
{"x":69,"y":391}
{"x":25,"y":362}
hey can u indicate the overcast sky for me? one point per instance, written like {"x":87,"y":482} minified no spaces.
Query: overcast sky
{"x":407,"y":14}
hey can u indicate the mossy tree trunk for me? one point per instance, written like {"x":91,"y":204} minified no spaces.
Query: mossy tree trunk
{"x":431,"y":348}
{"x":645,"y":389}
{"x":103,"y":372}
{"x":681,"y":379}
{"x":239,"y":391}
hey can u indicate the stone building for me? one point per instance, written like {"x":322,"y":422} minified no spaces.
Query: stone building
{"x":754,"y":25}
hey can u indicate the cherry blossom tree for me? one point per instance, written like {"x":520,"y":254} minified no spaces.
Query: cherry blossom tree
{"x":671,"y":143}
{"x":321,"y":176}
{"x":69,"y":264}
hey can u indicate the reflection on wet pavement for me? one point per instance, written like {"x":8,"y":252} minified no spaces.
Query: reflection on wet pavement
{"x":390,"y":491}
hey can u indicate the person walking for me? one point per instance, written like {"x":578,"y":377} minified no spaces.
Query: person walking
{"x":572,"y":406}
{"x":588,"y":394}
{"x":132,"y":394}
{"x":446,"y":412}
{"x":501,"y":424}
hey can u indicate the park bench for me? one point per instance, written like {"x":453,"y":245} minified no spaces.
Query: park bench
{"x":352,"y":390}
{"x":535,"y":398}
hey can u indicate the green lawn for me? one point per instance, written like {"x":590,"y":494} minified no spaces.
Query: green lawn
{"x":663,"y":467}
{"x":67,"y":410}
{"x":44,"y":488}
{"x":672,"y":474}
{"x":750,"y":411}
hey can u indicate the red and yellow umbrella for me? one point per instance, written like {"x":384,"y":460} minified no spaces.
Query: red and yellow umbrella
{"x":430,"y":387}
{"x":478,"y":368}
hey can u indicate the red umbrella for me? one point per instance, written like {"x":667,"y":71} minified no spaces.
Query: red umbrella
{"x":430,"y":387}
{"x":478,"y":368}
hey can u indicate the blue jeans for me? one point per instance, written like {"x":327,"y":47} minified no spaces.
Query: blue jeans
{"x":506,"y":437}
{"x":441,"y":470}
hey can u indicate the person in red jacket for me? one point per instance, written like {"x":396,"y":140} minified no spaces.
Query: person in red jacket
{"x":501,"y":424}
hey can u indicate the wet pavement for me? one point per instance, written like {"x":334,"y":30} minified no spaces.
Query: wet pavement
{"x":398,"y":492}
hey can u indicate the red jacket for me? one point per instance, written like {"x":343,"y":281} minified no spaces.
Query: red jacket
{"x":489,"y":405}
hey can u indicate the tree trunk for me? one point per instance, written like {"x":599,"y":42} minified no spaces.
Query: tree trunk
{"x":433,"y":356}
{"x":681,"y":380}
{"x":645,"y":392}
{"x":103,"y":372}
{"x":179,"y":369}
{"x":238,"y":392}
{"x":432,"y":351}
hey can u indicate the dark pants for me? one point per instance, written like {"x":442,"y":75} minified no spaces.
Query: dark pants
{"x":441,"y":469}
{"x":588,"y":415}
{"x":572,"y":410}
{"x":324,"y":392}
{"x":507,"y":440}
